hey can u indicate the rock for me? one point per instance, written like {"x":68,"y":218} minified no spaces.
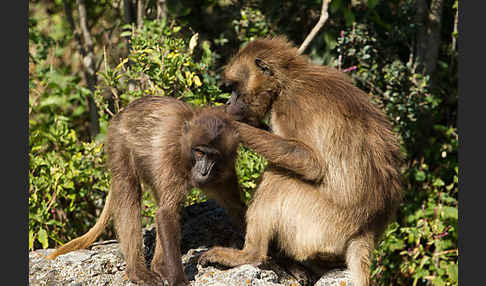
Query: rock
{"x":203,"y":225}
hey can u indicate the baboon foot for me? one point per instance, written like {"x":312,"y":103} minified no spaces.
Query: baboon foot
{"x":173,"y":279}
{"x":142,"y":276}
{"x":229,"y":257}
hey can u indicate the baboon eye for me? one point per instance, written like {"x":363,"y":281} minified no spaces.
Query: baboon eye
{"x":263,"y":66}
{"x":198,"y":154}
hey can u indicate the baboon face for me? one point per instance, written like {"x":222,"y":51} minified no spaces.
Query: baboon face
{"x":204,"y":164}
{"x":212,"y":145}
{"x":250,"y":79}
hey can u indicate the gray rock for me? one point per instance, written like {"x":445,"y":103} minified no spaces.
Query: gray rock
{"x":203,"y":226}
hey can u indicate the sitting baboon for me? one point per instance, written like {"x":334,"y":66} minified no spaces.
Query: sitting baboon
{"x":332,"y":183}
{"x":171,"y":147}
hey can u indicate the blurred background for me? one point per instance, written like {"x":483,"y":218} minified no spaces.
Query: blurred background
{"x":88,"y":59}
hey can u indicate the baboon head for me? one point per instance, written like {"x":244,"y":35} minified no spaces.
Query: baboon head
{"x":255,"y":77}
{"x":209,"y":148}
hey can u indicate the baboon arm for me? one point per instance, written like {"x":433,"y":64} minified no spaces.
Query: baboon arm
{"x":290,"y":154}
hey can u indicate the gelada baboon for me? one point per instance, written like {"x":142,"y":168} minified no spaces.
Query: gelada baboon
{"x":332,"y":183}
{"x":171,"y":147}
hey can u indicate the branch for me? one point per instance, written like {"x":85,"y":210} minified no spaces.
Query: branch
{"x":434,"y":36}
{"x":140,"y":13}
{"x":454,"y":33}
{"x":86,"y":52}
{"x":83,"y":23}
{"x":317,"y":27}
{"x":428,"y":19}
{"x":69,"y":15}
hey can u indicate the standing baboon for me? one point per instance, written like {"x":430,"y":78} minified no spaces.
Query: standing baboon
{"x":171,"y":147}
{"x":332,"y":184}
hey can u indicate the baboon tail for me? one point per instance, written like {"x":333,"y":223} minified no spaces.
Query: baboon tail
{"x":88,"y":238}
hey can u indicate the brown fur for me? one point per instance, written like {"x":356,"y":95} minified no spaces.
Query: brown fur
{"x":332,"y":184}
{"x":150,"y":141}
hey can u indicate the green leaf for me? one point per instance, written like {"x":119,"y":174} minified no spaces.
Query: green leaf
{"x":438,"y":182}
{"x":126,"y":34}
{"x":42,"y":238}
{"x":395,"y":245}
{"x":450,"y":212}
{"x":452,"y":271}
{"x":31,"y":240}
{"x":126,"y":26}
{"x":437,"y":281}
{"x":420,"y":176}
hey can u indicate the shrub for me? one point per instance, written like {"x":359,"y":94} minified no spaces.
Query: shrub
{"x":67,"y":184}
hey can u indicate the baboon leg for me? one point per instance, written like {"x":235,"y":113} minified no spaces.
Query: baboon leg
{"x":254,"y":252}
{"x":127,"y":218}
{"x":167,"y":257}
{"x":358,"y":256}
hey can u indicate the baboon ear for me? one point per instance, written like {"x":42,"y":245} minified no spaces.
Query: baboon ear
{"x":261,"y":64}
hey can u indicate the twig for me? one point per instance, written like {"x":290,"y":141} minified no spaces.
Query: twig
{"x":317,"y":27}
{"x":109,"y":112}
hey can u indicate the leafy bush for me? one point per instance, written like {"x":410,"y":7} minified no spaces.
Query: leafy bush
{"x":67,"y":181}
{"x":252,"y":24}
{"x":67,"y":184}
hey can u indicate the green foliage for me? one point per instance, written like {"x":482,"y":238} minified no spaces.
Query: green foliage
{"x":67,"y":183}
{"x":251,"y":25}
{"x":249,"y":167}
{"x":162,"y":61}
{"x":53,"y":88}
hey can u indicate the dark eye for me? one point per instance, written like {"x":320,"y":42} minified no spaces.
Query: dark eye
{"x":198,"y":154}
